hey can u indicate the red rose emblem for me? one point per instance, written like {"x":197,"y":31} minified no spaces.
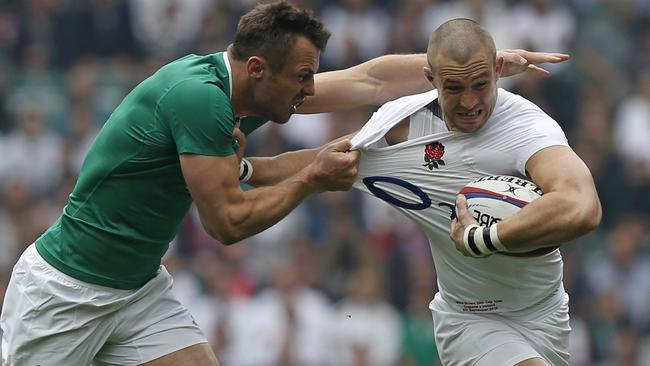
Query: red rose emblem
{"x":433,"y":153}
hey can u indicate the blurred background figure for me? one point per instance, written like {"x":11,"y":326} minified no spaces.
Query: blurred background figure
{"x":287,"y":323}
{"x":367,"y":325}
{"x":287,"y":293}
{"x":620,"y":271}
{"x":33,"y":153}
{"x":359,"y":31}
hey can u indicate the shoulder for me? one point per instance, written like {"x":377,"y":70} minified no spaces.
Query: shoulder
{"x":199,"y":85}
{"x":193,"y":79}
{"x":195,"y":92}
{"x":199,"y":104}
{"x":507,"y":100}
{"x":513,"y":111}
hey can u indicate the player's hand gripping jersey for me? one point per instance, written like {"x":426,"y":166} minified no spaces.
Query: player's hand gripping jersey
{"x":422,"y":176}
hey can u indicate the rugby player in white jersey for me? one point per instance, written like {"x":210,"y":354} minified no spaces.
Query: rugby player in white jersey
{"x":507,"y":306}
{"x":493,"y":308}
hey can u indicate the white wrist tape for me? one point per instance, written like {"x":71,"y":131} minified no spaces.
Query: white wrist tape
{"x":494,"y":238}
{"x":245,"y":170}
{"x":481,"y":241}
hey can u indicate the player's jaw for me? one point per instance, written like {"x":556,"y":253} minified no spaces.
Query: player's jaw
{"x":279,"y":108}
{"x":289,"y":108}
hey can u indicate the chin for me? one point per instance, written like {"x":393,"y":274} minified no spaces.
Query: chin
{"x":470,"y":128}
{"x":280,"y":119}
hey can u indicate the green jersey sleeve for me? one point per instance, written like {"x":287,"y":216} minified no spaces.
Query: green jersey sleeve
{"x":200,"y":118}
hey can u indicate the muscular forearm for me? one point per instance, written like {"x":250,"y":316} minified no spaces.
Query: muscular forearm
{"x":373,"y":82}
{"x":229,"y":214}
{"x":549,"y":221}
{"x":271,"y":170}
{"x":260,"y":208}
{"x":397,"y":76}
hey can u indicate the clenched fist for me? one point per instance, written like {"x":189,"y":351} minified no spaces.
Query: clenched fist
{"x":335,"y":167}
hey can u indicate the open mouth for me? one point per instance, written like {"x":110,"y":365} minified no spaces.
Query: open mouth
{"x":470,"y":115}
{"x":297,"y":104}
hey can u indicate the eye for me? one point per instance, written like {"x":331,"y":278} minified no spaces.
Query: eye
{"x":453,"y":88}
{"x":304,"y":76}
{"x":481,"y":84}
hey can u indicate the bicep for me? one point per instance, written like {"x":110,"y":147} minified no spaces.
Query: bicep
{"x":570,"y":206}
{"x":213,"y":183}
{"x":559,"y":169}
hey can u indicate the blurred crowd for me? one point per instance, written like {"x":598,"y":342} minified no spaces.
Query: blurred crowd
{"x":344,"y":279}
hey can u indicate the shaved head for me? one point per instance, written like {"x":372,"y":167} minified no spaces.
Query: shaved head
{"x":458,"y":40}
{"x":463,"y":68}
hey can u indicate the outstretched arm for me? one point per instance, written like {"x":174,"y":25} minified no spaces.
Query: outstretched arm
{"x":385,"y":78}
{"x":373,"y":82}
{"x":272,"y":170}
{"x":229,"y":214}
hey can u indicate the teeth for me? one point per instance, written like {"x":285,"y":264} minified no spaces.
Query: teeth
{"x":297,"y":104}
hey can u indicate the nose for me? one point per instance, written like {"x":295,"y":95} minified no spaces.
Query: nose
{"x":309,"y":89}
{"x":468,"y":100}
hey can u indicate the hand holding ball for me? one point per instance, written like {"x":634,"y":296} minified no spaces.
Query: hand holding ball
{"x":489,"y":200}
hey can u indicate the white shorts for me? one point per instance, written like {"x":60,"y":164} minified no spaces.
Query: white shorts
{"x":49,"y":318}
{"x":470,"y":339}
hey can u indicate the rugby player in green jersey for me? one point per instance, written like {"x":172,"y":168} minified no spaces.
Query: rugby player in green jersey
{"x":91,"y":289}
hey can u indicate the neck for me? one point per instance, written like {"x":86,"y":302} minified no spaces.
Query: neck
{"x":241,"y":94}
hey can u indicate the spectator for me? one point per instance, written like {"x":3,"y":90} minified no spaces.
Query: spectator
{"x":368,"y":326}
{"x":33,"y":153}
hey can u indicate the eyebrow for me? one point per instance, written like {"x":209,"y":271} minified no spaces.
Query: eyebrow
{"x":307,"y":70}
{"x":483,"y":74}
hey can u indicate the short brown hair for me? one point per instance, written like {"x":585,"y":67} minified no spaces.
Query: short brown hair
{"x":458,"y":38}
{"x":271,"y":29}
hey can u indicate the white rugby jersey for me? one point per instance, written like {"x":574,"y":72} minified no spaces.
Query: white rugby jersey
{"x":425,"y":188}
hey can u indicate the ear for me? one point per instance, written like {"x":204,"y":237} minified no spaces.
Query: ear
{"x":255,"y":66}
{"x":500,"y":62}
{"x":428,"y":74}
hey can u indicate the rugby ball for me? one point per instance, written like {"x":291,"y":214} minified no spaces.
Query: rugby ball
{"x":494,"y":198}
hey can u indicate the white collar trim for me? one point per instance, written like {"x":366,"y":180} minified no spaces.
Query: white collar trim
{"x":227,"y":62}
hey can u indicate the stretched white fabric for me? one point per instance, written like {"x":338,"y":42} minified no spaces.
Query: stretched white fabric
{"x":388,"y":116}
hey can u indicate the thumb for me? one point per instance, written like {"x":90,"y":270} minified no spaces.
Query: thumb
{"x":462,"y":212}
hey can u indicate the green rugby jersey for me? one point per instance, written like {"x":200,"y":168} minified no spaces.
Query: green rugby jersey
{"x":130,"y":197}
